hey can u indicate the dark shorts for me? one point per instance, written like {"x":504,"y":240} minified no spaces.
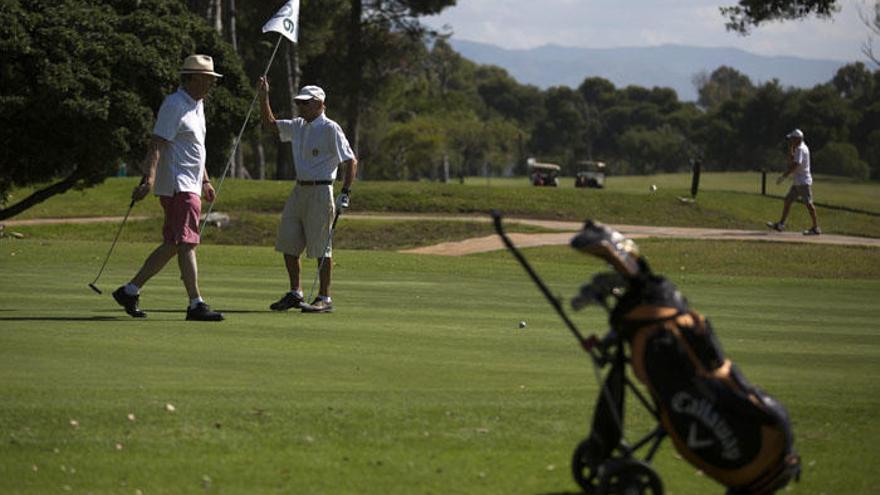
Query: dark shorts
{"x":182,"y":212}
{"x":803,"y":193}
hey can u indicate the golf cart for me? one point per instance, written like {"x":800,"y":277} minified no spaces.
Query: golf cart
{"x":543,"y":174}
{"x":591,"y":175}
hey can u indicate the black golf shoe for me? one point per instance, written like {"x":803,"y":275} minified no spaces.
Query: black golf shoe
{"x":202,"y":312}
{"x":286,"y":302}
{"x":777,"y":226}
{"x":130,"y":303}
{"x":318,"y":306}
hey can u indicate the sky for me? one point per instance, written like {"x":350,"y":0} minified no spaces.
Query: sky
{"x":520,"y":24}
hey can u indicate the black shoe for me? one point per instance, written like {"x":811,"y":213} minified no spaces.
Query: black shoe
{"x":318,"y":306}
{"x":286,"y":302}
{"x":130,"y":303}
{"x":202,"y":312}
{"x":777,"y":226}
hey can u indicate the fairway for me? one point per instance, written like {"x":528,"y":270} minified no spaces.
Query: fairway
{"x":421,"y":382}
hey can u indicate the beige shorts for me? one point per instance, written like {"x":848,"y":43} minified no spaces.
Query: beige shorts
{"x":802,"y":193}
{"x":305,"y":222}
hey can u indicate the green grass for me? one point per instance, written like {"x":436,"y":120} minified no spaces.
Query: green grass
{"x":419,"y":383}
{"x":259,"y":229}
{"x":731,"y":205}
{"x":827,"y":189}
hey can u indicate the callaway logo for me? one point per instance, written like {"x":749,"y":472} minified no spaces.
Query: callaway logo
{"x":694,"y":442}
{"x":704,"y":412}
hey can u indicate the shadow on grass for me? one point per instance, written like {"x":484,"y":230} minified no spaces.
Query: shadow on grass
{"x":60,"y":318}
{"x":222,"y":310}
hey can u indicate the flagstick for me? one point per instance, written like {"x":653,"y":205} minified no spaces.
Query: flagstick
{"x":238,"y":139}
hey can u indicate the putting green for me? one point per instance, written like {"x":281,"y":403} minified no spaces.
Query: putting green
{"x":421,"y":382}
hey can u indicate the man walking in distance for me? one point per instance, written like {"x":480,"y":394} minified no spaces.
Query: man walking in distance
{"x":175,"y":171}
{"x":799,"y":166}
{"x":319,"y":147}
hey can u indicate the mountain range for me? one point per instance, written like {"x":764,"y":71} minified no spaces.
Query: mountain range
{"x":672,"y":66}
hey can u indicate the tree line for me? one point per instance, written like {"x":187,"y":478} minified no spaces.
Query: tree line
{"x":82,"y":80}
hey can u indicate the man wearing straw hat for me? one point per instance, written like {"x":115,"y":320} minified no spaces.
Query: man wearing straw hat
{"x":174,"y":169}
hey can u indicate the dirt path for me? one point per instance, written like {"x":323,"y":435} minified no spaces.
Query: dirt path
{"x":566,"y":231}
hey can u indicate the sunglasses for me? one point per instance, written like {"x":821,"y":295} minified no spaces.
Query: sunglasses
{"x":300,"y":103}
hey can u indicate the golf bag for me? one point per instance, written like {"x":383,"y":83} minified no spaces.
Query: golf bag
{"x":732,"y":431}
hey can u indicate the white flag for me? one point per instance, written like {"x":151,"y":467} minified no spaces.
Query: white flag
{"x":285,"y":21}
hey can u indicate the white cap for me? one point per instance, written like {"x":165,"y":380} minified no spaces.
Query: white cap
{"x":795,"y":134}
{"x":310,"y":93}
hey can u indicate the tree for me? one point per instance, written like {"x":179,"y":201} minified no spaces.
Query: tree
{"x":507,"y":98}
{"x":872,"y":22}
{"x":661,"y":150}
{"x":765,"y":119}
{"x":840,"y":159}
{"x":872,"y":153}
{"x":854,"y":82}
{"x":598,"y":92}
{"x":747,"y":14}
{"x":823,"y":115}
{"x":412,"y":148}
{"x":561,"y":135}
{"x":725,"y":83}
{"x":375,"y":32}
{"x":82,"y":81}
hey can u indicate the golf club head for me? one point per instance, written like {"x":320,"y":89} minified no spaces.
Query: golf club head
{"x":598,"y":290}
{"x":95,"y":288}
{"x":610,"y":245}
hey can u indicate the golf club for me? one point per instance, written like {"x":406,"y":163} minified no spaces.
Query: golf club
{"x":324,"y":258}
{"x":107,"y":258}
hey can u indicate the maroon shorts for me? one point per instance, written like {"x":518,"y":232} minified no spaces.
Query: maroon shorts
{"x":182,"y":212}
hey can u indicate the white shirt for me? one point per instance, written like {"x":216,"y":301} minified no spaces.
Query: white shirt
{"x":801,"y":174}
{"x":318,"y":146}
{"x":181,"y":122}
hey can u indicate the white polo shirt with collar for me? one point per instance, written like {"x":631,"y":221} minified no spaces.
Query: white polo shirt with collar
{"x":318,"y":146}
{"x":802,"y":176}
{"x":180,"y":122}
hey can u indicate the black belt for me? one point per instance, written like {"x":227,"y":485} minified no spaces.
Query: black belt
{"x":315,"y":182}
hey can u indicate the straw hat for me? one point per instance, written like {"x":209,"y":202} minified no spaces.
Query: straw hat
{"x":199,"y":64}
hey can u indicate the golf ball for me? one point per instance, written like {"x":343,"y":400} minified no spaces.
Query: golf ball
{"x":653,"y":187}
{"x":522,"y":324}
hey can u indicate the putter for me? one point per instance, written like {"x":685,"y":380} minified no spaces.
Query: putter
{"x":323,"y":258}
{"x":107,"y":258}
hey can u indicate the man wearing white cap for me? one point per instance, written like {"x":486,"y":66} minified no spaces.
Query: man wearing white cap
{"x":801,"y":189}
{"x":174,"y":169}
{"x":319,"y":147}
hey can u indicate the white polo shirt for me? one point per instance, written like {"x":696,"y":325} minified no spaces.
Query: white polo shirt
{"x":318,"y":146}
{"x":181,"y":122}
{"x":801,"y":175}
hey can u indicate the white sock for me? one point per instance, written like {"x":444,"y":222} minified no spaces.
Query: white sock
{"x":297,"y":293}
{"x":194,"y":301}
{"x":326,"y":299}
{"x":131,"y":289}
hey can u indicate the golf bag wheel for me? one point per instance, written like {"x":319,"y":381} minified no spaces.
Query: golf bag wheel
{"x":585,"y":464}
{"x":629,"y":477}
